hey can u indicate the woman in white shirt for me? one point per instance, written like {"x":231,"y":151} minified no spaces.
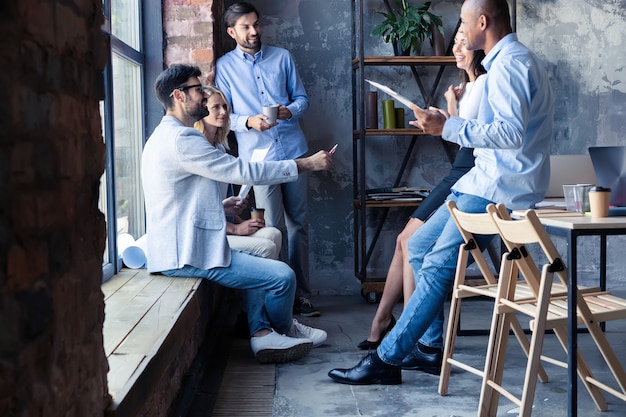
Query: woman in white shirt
{"x":463,"y":101}
{"x":250,"y":236}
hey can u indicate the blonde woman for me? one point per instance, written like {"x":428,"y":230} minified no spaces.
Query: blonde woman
{"x":250,"y":236}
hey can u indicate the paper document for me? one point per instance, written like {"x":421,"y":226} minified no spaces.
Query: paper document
{"x":392,"y":93}
{"x":545,"y":212}
{"x":257,"y":156}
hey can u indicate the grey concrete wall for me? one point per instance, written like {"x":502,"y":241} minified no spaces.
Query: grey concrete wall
{"x":581,"y":42}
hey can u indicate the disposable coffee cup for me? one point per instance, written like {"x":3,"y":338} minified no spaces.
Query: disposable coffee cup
{"x":257,"y":213}
{"x":599,"y":198}
{"x":270,"y":113}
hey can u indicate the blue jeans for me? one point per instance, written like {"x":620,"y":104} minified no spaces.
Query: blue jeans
{"x":286,"y":209}
{"x":433,"y":251}
{"x":270,"y":288}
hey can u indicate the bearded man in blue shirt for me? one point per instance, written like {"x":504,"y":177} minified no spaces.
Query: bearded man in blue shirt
{"x":252,"y":76}
{"x":511,"y":137}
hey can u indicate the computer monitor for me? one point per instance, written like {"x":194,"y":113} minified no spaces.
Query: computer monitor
{"x":569,"y":169}
{"x":609,"y":163}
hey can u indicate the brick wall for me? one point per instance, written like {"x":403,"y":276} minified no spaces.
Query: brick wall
{"x":188,"y":27}
{"x":52,"y":234}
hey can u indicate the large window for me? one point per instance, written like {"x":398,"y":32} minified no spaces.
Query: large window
{"x":125,"y":22}
{"x":123,"y":117}
{"x":128,"y":130}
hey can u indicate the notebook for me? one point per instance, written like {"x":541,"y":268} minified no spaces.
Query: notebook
{"x":609,"y":163}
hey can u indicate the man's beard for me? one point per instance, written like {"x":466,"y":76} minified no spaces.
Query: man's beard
{"x":248,"y":44}
{"x":199,"y":112}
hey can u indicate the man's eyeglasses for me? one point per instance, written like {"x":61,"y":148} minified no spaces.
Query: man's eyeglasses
{"x":201,"y":89}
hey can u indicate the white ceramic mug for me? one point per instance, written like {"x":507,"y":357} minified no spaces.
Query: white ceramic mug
{"x":271,"y":113}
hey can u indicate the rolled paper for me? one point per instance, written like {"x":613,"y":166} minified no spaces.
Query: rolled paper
{"x":134,"y":257}
{"x":371,"y":110}
{"x":389,"y":114}
{"x":133,"y":252}
{"x":142,"y":242}
{"x":399,"y":118}
{"x":124,"y":240}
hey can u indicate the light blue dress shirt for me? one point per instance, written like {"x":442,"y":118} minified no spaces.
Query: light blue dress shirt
{"x":512,"y":133}
{"x":251,"y":82}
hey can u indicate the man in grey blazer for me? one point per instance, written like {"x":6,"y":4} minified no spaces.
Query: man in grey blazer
{"x":186,"y":216}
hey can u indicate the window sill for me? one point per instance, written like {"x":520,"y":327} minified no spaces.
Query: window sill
{"x":153,"y":328}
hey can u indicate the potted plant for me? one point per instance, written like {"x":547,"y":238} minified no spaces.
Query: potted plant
{"x":407,"y":26}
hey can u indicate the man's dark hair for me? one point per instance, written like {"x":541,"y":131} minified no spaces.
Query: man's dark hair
{"x":173,"y":77}
{"x":234,"y":12}
{"x":497,"y":11}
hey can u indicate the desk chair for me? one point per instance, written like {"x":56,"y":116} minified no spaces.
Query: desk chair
{"x":546,"y":310}
{"x":470,"y":224}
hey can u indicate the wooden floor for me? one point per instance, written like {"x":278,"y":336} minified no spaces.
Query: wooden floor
{"x":247,"y":387}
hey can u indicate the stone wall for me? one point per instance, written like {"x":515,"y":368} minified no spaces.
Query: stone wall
{"x":188,"y":33}
{"x":52,"y":234}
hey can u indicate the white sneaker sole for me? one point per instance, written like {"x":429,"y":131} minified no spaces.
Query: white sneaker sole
{"x":284,"y":355}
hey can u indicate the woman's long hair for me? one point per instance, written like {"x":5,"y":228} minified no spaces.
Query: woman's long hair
{"x":475,"y":67}
{"x":221,"y":135}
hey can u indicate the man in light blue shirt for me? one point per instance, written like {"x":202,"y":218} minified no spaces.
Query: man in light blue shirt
{"x":252,"y":76}
{"x":511,"y":138}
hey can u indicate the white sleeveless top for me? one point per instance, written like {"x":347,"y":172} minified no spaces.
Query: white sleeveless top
{"x":469,"y":103}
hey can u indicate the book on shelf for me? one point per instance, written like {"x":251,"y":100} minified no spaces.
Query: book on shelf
{"x":385,"y":190}
{"x":380,"y":190}
{"x":394,"y":198}
{"x":406,"y":196}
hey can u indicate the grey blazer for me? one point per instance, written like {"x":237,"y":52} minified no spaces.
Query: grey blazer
{"x":181,"y":174}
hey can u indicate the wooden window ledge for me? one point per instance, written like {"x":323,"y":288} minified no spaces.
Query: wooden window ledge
{"x":153,"y":328}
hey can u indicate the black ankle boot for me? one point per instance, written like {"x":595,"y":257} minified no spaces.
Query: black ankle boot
{"x":371,"y":370}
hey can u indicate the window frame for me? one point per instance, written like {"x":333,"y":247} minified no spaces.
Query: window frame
{"x":150,"y":62}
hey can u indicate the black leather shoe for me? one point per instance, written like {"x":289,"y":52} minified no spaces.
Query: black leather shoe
{"x":371,"y":370}
{"x":417,"y":360}
{"x":367,"y":345}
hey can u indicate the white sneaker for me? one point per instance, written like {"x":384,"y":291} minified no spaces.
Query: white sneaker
{"x":300,"y":331}
{"x":277,"y":348}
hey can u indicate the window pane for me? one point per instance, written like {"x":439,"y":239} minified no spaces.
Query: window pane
{"x":127,"y":116}
{"x":125,"y":21}
{"x":102,"y":201}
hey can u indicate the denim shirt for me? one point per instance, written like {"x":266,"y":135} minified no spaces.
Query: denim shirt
{"x":511,"y":135}
{"x":251,"y":82}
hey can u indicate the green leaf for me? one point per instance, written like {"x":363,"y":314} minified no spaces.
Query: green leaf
{"x":410,"y":24}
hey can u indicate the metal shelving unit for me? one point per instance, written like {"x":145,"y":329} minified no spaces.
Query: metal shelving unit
{"x":372,"y":286}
